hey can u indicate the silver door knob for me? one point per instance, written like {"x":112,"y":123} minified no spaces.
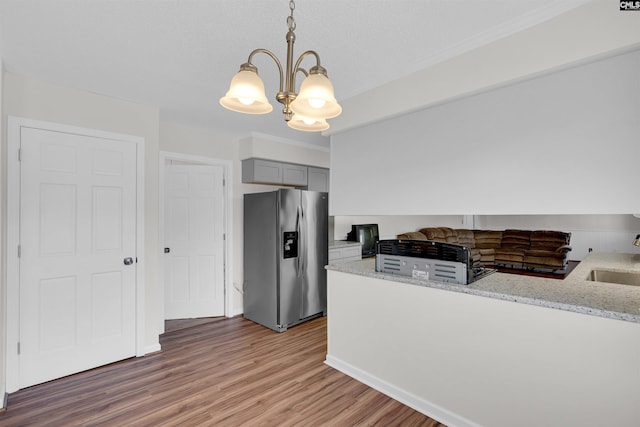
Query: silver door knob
{"x":128,"y":261}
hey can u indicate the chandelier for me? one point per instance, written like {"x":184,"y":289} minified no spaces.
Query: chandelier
{"x":307,"y":110}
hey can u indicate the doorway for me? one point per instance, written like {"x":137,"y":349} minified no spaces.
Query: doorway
{"x":75,"y":242}
{"x":194,"y":221}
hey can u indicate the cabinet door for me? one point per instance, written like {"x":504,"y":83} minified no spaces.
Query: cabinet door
{"x":347,"y":254}
{"x":318,"y":179}
{"x":263,"y":171}
{"x":294,"y":174}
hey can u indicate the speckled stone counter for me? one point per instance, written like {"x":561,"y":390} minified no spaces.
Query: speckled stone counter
{"x":575,"y":293}
{"x":335,"y":244}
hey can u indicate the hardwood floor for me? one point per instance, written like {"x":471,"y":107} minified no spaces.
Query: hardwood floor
{"x":226,"y":372}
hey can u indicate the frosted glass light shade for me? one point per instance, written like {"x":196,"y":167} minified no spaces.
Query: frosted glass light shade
{"x":307,"y":124}
{"x":246,"y":94}
{"x":316,"y":98}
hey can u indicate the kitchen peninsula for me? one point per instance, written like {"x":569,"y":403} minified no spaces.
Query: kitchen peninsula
{"x":505,"y":350}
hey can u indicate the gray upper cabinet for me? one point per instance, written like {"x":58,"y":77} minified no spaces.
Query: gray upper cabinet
{"x":260,"y":171}
{"x":294,"y":174}
{"x":318,"y":179}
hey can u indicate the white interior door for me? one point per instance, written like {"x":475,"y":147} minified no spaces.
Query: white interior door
{"x":77,"y":226}
{"x":194,"y":241}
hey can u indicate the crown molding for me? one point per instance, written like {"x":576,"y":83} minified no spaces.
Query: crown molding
{"x":501,"y":31}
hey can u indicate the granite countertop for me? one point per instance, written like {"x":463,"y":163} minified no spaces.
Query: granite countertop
{"x":334,"y":244}
{"x":574,"y":293}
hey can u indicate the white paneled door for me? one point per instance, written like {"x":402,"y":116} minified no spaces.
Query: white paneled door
{"x":194,"y":241}
{"x":77,"y":253}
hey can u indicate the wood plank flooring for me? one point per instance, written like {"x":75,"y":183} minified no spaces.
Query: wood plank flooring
{"x":226,"y":372}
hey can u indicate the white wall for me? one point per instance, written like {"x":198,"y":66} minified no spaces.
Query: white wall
{"x":34,"y":99}
{"x":274,"y":148}
{"x":563,"y":143}
{"x":3,"y":281}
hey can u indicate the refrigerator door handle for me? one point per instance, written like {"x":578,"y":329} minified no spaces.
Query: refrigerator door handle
{"x":302,"y":256}
{"x":298,"y":219}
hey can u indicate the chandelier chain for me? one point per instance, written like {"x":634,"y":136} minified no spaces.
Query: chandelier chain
{"x":291,"y":22}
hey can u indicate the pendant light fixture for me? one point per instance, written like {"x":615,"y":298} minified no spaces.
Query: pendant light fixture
{"x":307,"y":110}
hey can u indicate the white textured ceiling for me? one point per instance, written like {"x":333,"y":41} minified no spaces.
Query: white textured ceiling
{"x":180,"y":55}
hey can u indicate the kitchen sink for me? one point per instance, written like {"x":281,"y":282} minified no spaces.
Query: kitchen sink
{"x":619,"y":277}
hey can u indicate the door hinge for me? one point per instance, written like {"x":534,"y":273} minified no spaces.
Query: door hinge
{"x":18,"y":347}
{"x":224,"y":236}
{"x":224,"y":182}
{"x":19,"y":154}
{"x":19,"y":251}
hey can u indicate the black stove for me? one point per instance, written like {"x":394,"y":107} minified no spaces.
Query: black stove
{"x":429,"y":260}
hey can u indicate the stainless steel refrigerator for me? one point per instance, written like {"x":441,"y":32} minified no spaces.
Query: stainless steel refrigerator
{"x":285,"y":251}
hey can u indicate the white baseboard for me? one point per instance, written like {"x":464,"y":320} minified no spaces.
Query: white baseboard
{"x":152,"y":349}
{"x":236,"y":312}
{"x":419,"y":404}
